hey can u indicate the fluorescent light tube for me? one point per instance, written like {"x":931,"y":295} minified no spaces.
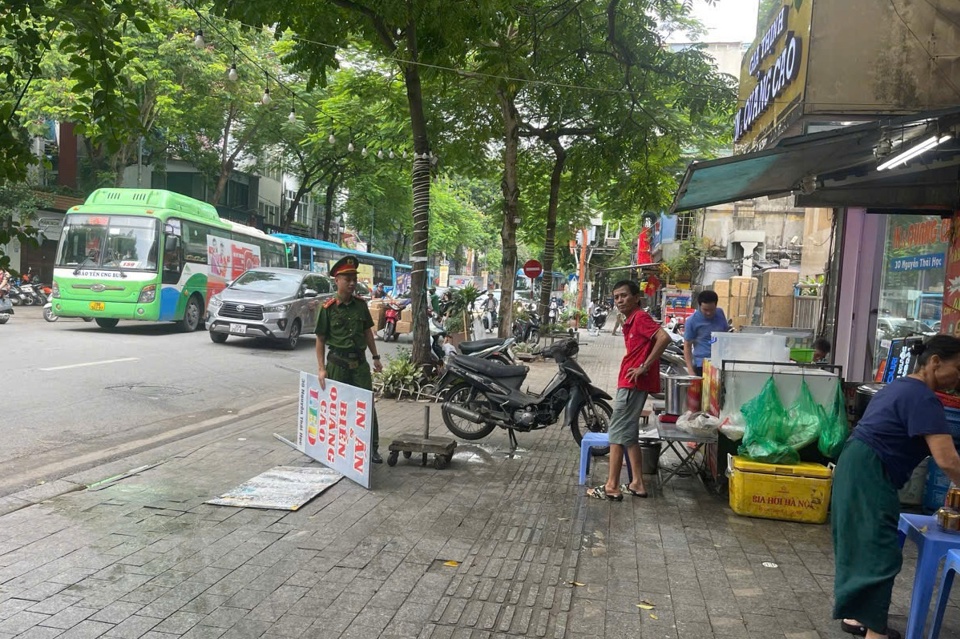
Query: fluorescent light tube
{"x":906,"y":156}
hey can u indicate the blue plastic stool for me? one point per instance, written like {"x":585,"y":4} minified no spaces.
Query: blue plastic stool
{"x":951,"y":565}
{"x":598,"y":440}
{"x":932,"y":546}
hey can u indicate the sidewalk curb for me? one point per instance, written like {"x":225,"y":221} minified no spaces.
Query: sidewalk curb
{"x":123,"y":457}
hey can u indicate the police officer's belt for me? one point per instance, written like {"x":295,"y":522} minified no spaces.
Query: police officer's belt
{"x":347,"y":358}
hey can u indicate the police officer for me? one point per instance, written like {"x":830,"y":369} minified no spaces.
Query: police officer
{"x":345,"y":325}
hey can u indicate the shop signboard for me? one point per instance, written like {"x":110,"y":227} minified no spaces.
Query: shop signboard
{"x":916,"y":262}
{"x":334,"y":426}
{"x":773,"y":75}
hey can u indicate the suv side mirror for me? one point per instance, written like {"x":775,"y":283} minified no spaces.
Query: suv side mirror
{"x":310,"y":293}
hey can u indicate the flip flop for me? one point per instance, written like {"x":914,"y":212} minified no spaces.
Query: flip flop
{"x":861,"y":630}
{"x":601,"y":493}
{"x":626,"y":489}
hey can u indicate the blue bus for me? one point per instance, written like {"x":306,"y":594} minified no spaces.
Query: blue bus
{"x":522,"y":283}
{"x":317,"y":256}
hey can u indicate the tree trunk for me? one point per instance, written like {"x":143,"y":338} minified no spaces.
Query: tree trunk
{"x":422,"y":353}
{"x":328,"y":209}
{"x":292,"y":209}
{"x":511,"y":208}
{"x":550,"y":237}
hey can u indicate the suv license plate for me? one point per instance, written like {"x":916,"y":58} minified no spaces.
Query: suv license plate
{"x":96,"y":306}
{"x":238,"y":329}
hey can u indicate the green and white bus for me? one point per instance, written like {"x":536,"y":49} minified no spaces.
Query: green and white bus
{"x":149,"y":254}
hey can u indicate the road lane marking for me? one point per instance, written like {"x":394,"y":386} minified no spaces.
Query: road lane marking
{"x":106,"y":361}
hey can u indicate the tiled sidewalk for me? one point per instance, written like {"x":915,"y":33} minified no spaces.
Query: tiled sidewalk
{"x":145,"y":557}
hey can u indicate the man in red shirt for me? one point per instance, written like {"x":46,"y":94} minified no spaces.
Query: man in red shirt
{"x":639,"y":375}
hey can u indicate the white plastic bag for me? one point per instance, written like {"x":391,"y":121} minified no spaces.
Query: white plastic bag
{"x":733,"y":426}
{"x":698,"y":423}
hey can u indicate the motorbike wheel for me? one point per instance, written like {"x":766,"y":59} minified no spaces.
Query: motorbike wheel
{"x":534,"y":337}
{"x":38,"y":300}
{"x":388,"y":331}
{"x":500,"y":358}
{"x":49,"y":315}
{"x":15,"y":300}
{"x":592,"y":419}
{"x":466,"y":395}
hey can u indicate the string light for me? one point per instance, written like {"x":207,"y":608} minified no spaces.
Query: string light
{"x":198,"y":39}
{"x":265,"y":99}
{"x":332,"y":139}
{"x":232,"y":74}
{"x":380,"y":154}
{"x":363,"y":153}
{"x":293,"y":115}
{"x":350,"y":148}
{"x":391,"y":154}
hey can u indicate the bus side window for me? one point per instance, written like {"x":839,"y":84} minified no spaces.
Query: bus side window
{"x":172,"y":264}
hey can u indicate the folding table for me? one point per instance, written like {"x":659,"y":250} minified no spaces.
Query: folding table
{"x":677,"y":440}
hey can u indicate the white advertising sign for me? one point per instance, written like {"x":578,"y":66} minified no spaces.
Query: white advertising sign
{"x":334,"y":426}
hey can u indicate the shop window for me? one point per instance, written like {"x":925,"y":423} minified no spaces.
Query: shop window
{"x":685,"y":225}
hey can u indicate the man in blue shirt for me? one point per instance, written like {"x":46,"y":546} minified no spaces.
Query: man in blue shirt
{"x":700,"y":326}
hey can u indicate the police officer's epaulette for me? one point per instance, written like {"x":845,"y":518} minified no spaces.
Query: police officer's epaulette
{"x":330,"y":302}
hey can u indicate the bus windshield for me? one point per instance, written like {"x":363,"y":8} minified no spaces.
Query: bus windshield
{"x":109,"y":242}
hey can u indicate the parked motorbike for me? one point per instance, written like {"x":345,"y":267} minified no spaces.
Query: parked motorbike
{"x":391,"y":314}
{"x":6,"y":309}
{"x":484,"y":395}
{"x":494,"y":348}
{"x":527,"y":330}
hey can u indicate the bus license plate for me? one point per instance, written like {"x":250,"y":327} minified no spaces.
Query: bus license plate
{"x":238,"y":329}
{"x":96,"y":306}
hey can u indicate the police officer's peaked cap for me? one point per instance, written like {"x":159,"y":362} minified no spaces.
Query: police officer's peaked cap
{"x":345,"y":266}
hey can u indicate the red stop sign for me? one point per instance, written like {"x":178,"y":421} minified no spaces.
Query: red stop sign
{"x":532,"y":269}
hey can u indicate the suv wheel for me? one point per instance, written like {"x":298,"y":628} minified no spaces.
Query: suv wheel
{"x":218,"y":338}
{"x":291,"y":342}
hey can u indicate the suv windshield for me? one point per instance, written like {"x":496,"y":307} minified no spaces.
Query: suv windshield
{"x":254,"y":281}
{"x":109,"y":242}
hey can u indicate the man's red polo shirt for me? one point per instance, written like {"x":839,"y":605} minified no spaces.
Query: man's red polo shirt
{"x":638,"y":332}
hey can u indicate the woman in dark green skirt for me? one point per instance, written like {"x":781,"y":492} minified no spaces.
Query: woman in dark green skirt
{"x":903,"y":424}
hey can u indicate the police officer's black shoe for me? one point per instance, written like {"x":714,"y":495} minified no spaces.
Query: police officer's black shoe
{"x":377,"y":459}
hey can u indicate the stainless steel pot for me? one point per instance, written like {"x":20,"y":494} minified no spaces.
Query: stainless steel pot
{"x":677,"y":395}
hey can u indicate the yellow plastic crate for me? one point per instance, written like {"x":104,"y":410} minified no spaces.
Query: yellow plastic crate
{"x":789,"y":492}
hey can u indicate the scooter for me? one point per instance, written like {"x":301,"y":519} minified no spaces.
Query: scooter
{"x":391,"y":314}
{"x":527,"y":330}
{"x":484,"y":395}
{"x":599,"y":319}
{"x":6,"y":310}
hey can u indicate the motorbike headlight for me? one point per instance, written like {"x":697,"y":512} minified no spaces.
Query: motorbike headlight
{"x":148,"y":294}
{"x":276,"y":308}
{"x":215,"y":302}
{"x":56,"y":289}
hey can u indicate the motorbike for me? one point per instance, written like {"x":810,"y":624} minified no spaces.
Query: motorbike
{"x":484,"y":395}
{"x":6,"y":310}
{"x":527,"y":330}
{"x":490,"y":321}
{"x":599,"y":319}
{"x":391,"y":314}
{"x":494,"y":348}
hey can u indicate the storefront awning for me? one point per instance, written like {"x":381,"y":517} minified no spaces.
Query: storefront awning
{"x":839,"y":168}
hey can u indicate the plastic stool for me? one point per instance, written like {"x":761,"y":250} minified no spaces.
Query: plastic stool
{"x":951,"y":565}
{"x":932,"y":546}
{"x":598,"y":440}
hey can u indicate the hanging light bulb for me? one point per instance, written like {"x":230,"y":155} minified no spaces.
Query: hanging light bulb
{"x":232,"y":74}
{"x":380,"y":154}
{"x":198,"y":39}
{"x":391,"y":154}
{"x":265,"y":100}
{"x":350,"y":147}
{"x":292,"y":117}
{"x":364,"y":152}
{"x":404,"y":154}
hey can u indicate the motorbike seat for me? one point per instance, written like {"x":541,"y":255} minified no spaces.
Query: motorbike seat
{"x":489,"y":368}
{"x":479,"y":345}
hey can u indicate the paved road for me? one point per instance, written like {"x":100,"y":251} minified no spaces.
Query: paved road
{"x":77,"y":395}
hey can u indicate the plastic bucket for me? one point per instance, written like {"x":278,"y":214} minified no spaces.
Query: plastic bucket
{"x":650,"y":449}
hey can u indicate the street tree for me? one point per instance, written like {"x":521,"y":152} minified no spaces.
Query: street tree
{"x":411,"y":35}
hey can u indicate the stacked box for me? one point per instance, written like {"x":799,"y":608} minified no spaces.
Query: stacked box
{"x":404,"y":327}
{"x":406,"y":315}
{"x":743,"y":291}
{"x":779,"y":282}
{"x":777,"y":311}
{"x":377,"y":313}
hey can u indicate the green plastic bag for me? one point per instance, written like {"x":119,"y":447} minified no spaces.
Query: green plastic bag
{"x":835,"y":428}
{"x":765,"y":435}
{"x":805,"y":419}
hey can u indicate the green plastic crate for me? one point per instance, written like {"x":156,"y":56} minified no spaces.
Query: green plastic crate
{"x":801,"y":355}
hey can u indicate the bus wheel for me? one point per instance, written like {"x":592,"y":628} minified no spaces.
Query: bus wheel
{"x":191,"y":315}
{"x":106,"y":322}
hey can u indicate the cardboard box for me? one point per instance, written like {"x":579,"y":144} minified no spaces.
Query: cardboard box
{"x":377,"y":313}
{"x":743,"y":286}
{"x":788,"y":492}
{"x":777,"y":311}
{"x":779,"y":283}
{"x":404,"y":327}
{"x":722,"y":288}
{"x":406,"y":315}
